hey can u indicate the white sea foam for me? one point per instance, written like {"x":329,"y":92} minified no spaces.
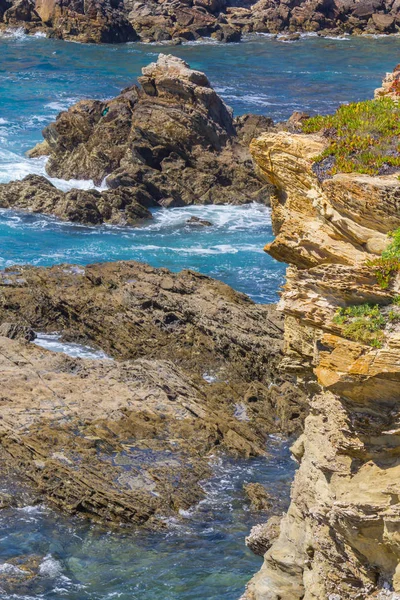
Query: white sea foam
{"x":51,"y":341}
{"x":244,"y":217}
{"x":14,"y":166}
{"x":50,"y":567}
{"x":18,"y":33}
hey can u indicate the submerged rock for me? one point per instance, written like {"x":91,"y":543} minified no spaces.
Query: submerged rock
{"x":128,"y":440}
{"x":259,"y":498}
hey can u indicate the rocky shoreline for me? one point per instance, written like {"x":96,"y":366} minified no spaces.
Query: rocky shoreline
{"x":339,"y":538}
{"x":128,"y":440}
{"x":177,"y":21}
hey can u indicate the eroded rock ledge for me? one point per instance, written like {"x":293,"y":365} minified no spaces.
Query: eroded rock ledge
{"x":340,"y":537}
{"x":128,"y":440}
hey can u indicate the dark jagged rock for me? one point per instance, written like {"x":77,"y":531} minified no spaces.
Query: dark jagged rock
{"x":36,"y":194}
{"x":16,"y":331}
{"x":197,"y":222}
{"x":171,"y":142}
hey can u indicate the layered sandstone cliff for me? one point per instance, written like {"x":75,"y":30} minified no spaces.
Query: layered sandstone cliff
{"x":340,"y":537}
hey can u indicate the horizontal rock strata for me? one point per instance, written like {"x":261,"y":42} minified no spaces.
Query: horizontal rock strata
{"x":128,"y":440}
{"x":339,"y":539}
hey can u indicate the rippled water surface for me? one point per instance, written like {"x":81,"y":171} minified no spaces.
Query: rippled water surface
{"x":202,"y":556}
{"x":231,"y":250}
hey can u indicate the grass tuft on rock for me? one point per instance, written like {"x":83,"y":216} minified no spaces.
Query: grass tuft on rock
{"x":388,"y":264}
{"x":362,"y":323}
{"x":366,"y":323}
{"x":363,"y":137}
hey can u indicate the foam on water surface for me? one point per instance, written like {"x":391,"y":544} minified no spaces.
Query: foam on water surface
{"x":201,"y":554}
{"x":54,"y":343}
{"x":230,"y":250}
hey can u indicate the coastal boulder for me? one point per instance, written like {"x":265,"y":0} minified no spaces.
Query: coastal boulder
{"x":125,"y":206}
{"x":173,"y":137}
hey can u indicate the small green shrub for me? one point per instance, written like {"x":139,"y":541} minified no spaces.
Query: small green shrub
{"x":362,"y":323}
{"x":387,"y":265}
{"x":363,"y":136}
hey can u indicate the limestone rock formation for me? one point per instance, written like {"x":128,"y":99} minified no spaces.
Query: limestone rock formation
{"x":340,"y":537}
{"x":261,"y":537}
{"x":128,"y":440}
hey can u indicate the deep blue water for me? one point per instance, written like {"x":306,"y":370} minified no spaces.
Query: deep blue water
{"x":202,"y":557}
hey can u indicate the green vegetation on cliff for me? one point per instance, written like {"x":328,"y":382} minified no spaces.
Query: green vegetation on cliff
{"x":365,"y":323}
{"x":362,"y":323}
{"x":387,"y":265}
{"x":363,"y":137}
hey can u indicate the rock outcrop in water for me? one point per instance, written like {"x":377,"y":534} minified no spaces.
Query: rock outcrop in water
{"x":128,"y":440}
{"x":340,"y":537}
{"x":124,"y":206}
{"x":114,"y":21}
{"x":170,"y":142}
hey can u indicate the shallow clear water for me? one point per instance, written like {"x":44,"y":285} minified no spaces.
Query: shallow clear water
{"x":201,"y":557}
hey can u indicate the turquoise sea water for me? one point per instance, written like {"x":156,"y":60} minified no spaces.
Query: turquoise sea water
{"x":40,"y":77}
{"x":202,"y":556}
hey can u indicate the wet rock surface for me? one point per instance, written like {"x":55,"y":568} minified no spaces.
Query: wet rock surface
{"x":177,"y":21}
{"x":36,"y":194}
{"x":259,"y":498}
{"x":127,"y":441}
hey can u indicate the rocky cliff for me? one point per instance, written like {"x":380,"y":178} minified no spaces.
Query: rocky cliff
{"x":114,"y":21}
{"x":340,"y":537}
